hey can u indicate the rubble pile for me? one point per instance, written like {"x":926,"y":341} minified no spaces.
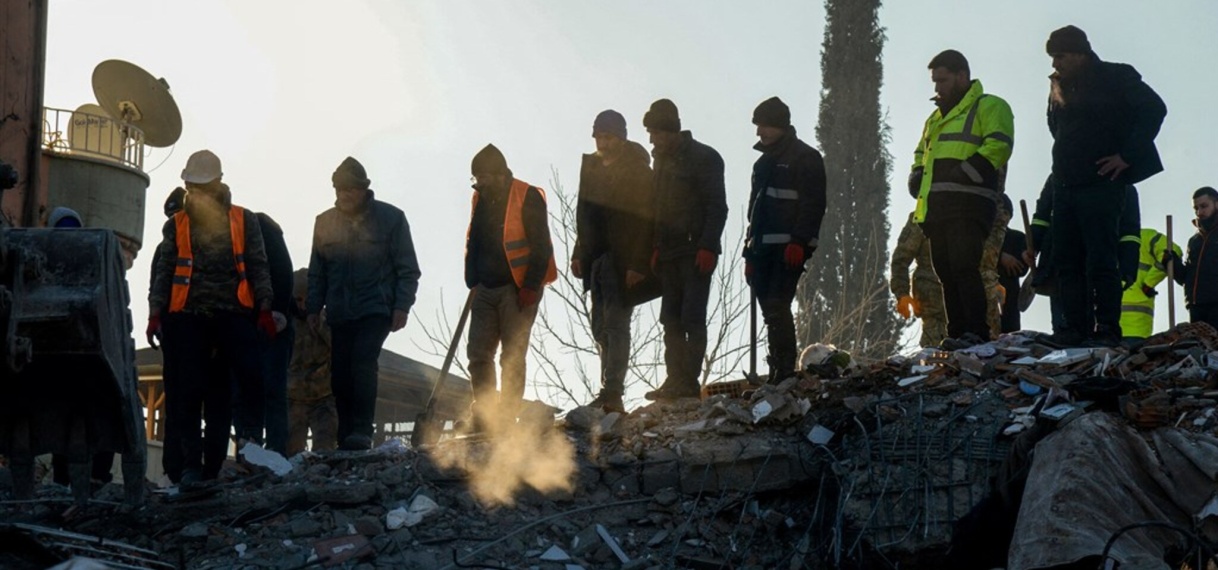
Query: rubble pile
{"x":850,"y":466}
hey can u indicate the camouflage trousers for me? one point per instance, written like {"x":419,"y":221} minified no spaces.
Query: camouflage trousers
{"x":929,"y":295}
{"x":989,"y":272}
{"x":321,"y":416}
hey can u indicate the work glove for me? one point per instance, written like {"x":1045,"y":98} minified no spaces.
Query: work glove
{"x":705,"y":261}
{"x":1149,"y":291}
{"x":905,"y":306}
{"x":748,"y":272}
{"x":1002,"y":295}
{"x":266,"y":323}
{"x":526,"y":298}
{"x":153,"y":331}
{"x":794,"y":255}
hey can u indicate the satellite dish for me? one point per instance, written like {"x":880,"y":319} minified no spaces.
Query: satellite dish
{"x":134,"y":97}
{"x":93,"y":131}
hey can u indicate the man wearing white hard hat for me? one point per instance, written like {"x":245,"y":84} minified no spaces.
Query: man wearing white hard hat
{"x":210,"y":294}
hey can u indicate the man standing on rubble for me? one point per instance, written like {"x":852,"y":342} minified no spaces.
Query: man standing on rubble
{"x":1198,"y":273}
{"x":210,"y":294}
{"x":925,"y":299}
{"x":966,"y":141}
{"x":690,"y":212}
{"x":1104,"y":120}
{"x":786,"y":207}
{"x":364,"y":273}
{"x":613,"y":245}
{"x":509,"y":259}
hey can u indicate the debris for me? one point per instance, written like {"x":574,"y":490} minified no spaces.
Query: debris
{"x":256,"y":455}
{"x":613,"y":545}
{"x":820,"y":435}
{"x":555,"y":554}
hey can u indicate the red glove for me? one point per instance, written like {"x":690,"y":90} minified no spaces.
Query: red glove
{"x":266,"y":323}
{"x":748,"y":272}
{"x":153,"y":331}
{"x":655,"y":258}
{"x":794,"y":255}
{"x":705,"y":261}
{"x":527,"y":298}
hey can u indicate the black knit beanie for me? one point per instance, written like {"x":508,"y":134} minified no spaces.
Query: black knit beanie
{"x":663,"y":116}
{"x":772,"y":113}
{"x":488,"y":161}
{"x":175,"y":201}
{"x":351,"y":174}
{"x":1068,"y":40}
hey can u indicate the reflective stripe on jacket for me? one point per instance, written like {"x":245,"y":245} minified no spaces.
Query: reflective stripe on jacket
{"x":963,"y":150}
{"x":184,"y":267}
{"x":515,"y":240}
{"x":1138,"y":308}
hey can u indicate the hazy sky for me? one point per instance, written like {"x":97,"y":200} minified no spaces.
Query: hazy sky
{"x":282,"y":91}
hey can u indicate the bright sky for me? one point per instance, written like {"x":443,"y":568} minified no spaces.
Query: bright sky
{"x":283,"y":90}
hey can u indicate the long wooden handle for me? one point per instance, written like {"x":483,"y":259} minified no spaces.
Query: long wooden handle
{"x":1171,"y":279}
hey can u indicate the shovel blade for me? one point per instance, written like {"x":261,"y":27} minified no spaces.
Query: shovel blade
{"x":426,"y":431}
{"x":1027,"y":292}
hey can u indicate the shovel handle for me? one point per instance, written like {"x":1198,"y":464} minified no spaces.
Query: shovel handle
{"x":1027,"y":227}
{"x":1171,"y":279}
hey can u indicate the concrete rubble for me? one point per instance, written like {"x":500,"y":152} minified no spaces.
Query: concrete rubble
{"x":853,"y":466}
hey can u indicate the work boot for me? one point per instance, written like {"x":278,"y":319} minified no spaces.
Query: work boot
{"x":190,"y":478}
{"x":1067,"y":338}
{"x":966,"y":340}
{"x":672,"y":390}
{"x":356,"y":442}
{"x":609,"y":401}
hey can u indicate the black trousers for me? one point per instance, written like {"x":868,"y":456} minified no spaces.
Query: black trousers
{"x":957,"y":226}
{"x":355,"y":347}
{"x":683,"y":315}
{"x":1086,"y":234}
{"x":775,"y":285}
{"x":203,"y":356}
{"x":1204,"y":313}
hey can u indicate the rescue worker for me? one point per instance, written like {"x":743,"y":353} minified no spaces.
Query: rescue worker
{"x":1198,"y":273}
{"x":1104,"y":120}
{"x":310,"y":398}
{"x":1138,"y":301}
{"x":690,"y":212}
{"x":966,"y":141}
{"x":991,"y":256}
{"x":1010,"y":269}
{"x":210,"y":296}
{"x":786,"y":207}
{"x":925,"y":299}
{"x":364,"y":273}
{"x":613,"y":246}
{"x":277,"y":352}
{"x":509,"y":259}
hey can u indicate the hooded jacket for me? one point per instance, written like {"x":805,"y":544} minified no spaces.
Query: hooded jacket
{"x":1107,"y":110}
{"x":363,"y":263}
{"x":614,"y":213}
{"x":214,"y":281}
{"x":280,"y":263}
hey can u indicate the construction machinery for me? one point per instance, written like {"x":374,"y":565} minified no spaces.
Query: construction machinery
{"x":68,"y":382}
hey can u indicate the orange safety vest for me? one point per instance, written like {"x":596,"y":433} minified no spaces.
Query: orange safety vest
{"x":185,"y":265}
{"x":515,"y":242}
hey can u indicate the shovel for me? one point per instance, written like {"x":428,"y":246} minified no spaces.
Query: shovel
{"x":1027,"y":291}
{"x":427,"y":426}
{"x":1171,"y":280}
{"x":753,"y":378}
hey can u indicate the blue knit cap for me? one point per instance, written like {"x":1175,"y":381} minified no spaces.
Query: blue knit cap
{"x":610,"y":122}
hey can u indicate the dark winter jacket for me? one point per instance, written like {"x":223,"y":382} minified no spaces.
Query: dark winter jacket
{"x":1108,"y":110}
{"x":214,"y":279}
{"x":1130,"y":230}
{"x":1199,"y":273}
{"x":280,"y":262}
{"x":363,"y":263}
{"x":787,"y":203}
{"x":614,"y":213}
{"x":691,"y":202}
{"x":486,"y":264}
